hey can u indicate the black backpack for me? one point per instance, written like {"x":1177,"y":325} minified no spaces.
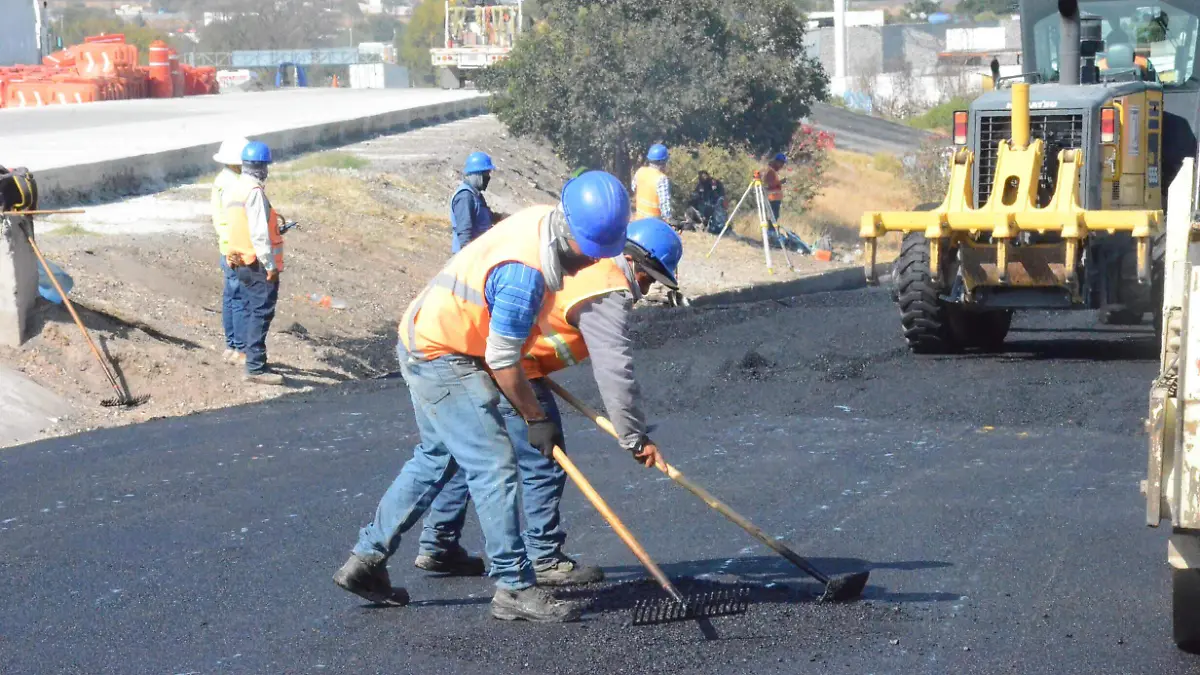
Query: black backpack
{"x":18,"y":190}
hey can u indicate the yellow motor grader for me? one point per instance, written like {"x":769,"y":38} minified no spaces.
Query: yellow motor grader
{"x":1056,"y":200}
{"x":1055,"y":196}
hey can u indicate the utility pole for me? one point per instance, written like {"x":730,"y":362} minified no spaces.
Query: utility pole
{"x":839,"y":47}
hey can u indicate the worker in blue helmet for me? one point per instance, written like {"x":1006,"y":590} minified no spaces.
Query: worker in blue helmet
{"x":470,"y":215}
{"x":589,"y":321}
{"x":651,"y":186}
{"x":462,"y":340}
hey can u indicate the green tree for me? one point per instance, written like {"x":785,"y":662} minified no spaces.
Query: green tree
{"x":424,"y":31}
{"x":80,"y":22}
{"x":601,"y":80}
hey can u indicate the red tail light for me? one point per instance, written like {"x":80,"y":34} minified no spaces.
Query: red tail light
{"x":960,"y":127}
{"x":1108,"y":125}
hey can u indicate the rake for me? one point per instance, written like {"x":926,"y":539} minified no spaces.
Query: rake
{"x":122,"y":398}
{"x":838,"y":589}
{"x":699,"y":607}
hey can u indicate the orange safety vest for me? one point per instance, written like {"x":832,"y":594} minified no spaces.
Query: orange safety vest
{"x":561,"y":344}
{"x":239,"y":225}
{"x":1139,"y":61}
{"x":645,"y":183}
{"x":451,"y":315}
{"x":774,"y":187}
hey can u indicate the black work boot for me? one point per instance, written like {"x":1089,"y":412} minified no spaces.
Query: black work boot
{"x":533,"y":604}
{"x":370,"y":581}
{"x":560,"y":570}
{"x":456,"y":563}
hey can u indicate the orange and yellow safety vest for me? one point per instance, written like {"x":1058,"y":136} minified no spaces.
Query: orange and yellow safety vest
{"x":561,"y":344}
{"x":238,"y":224}
{"x":645,"y":182}
{"x":451,"y":315}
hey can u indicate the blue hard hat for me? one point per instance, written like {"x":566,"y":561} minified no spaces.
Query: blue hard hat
{"x":658,"y":153}
{"x":659,"y":241}
{"x":256,"y":151}
{"x":596,"y":205}
{"x":780,"y":157}
{"x":478,"y":162}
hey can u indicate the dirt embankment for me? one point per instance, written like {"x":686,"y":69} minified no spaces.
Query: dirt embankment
{"x":374,"y":229}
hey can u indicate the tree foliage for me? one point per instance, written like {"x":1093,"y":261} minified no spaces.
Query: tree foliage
{"x":424,"y":31}
{"x":601,"y":80}
{"x":80,"y":22}
{"x":284,"y":24}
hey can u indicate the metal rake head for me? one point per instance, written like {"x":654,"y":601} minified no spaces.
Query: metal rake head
{"x":695,"y":606}
{"x":125,"y":402}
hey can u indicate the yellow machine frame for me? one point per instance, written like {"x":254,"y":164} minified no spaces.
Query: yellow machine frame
{"x":1011,"y":209}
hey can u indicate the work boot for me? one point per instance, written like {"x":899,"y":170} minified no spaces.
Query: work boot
{"x":533,"y":604}
{"x":560,"y":570}
{"x":456,"y":563}
{"x":369,"y":581}
{"x":264,"y":378}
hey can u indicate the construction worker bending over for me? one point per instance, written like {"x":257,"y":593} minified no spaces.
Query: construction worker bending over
{"x":256,"y":255}
{"x":232,"y":305}
{"x":460,"y":349}
{"x":651,"y":187}
{"x":470,"y":215}
{"x":591,"y":315}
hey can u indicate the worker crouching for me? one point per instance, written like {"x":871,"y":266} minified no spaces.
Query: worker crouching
{"x":256,"y":255}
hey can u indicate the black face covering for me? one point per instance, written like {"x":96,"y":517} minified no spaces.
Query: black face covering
{"x":487,"y":178}
{"x":573,"y":262}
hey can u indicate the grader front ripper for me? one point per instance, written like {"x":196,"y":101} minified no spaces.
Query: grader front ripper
{"x":1056,"y":201}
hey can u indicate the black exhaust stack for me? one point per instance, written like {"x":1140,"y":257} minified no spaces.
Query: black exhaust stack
{"x":1068,"y":49}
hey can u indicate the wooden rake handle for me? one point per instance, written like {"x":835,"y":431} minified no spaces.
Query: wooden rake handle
{"x":607,"y":513}
{"x":716,"y":504}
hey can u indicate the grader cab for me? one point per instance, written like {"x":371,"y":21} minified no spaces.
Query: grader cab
{"x":1056,"y":191}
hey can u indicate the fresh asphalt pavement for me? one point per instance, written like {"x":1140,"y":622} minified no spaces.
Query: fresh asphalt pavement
{"x":994,"y":498}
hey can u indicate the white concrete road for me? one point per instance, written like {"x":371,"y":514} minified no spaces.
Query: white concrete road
{"x":112,"y":148}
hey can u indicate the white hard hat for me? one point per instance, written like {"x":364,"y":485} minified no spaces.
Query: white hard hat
{"x":230,"y":152}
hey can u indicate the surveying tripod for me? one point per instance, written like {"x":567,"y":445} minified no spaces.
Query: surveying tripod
{"x":766,"y":220}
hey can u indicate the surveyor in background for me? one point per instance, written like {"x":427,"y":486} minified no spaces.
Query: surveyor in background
{"x":651,"y":187}
{"x":470,"y":215}
{"x":460,"y":349}
{"x":708,"y":199}
{"x":256,"y":255}
{"x":591,"y":316}
{"x":232,"y":305}
{"x":773,"y":185}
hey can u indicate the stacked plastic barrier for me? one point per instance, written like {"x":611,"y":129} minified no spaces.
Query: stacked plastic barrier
{"x":103,"y":68}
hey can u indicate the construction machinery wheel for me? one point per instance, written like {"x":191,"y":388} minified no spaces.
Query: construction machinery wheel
{"x":923,"y":315}
{"x":894,"y":272}
{"x":1185,"y":608}
{"x":985,"y":331}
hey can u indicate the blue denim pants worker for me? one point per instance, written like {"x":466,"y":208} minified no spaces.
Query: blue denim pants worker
{"x":260,"y":297}
{"x":542,"y":482}
{"x":456,"y":405}
{"x":233,"y":308}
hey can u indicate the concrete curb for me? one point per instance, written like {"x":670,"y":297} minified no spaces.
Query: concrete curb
{"x":847,"y":279}
{"x":143,"y":174}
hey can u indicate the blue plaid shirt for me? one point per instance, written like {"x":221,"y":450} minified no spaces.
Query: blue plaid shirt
{"x":514,"y":293}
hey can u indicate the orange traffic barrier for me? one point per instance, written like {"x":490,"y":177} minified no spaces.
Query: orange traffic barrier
{"x":161,"y":84}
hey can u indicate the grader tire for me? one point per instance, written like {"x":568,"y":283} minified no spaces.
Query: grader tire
{"x":923,"y":315}
{"x":1185,"y":609}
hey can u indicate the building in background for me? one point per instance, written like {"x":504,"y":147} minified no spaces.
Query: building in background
{"x":23,"y":36}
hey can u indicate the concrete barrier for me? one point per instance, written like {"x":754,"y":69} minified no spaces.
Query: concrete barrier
{"x":845,"y":279}
{"x":152,"y":172}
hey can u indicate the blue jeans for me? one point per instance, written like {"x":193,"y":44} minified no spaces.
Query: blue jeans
{"x":542,"y":482}
{"x":259,"y":296}
{"x":456,"y":405}
{"x":233,"y":308}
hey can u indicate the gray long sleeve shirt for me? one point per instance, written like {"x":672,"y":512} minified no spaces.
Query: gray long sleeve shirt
{"x":604,"y":324}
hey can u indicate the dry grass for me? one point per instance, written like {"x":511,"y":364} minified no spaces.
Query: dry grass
{"x":327,"y":160}
{"x":854,"y":183}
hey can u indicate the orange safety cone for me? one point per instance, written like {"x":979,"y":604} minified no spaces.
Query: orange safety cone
{"x":335,"y":82}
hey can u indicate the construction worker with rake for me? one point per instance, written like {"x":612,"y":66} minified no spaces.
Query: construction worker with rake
{"x":460,"y":349}
{"x":591,"y":316}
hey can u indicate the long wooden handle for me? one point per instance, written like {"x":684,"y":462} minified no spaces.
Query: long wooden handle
{"x":71,"y":308}
{"x":623,"y":532}
{"x":716,"y":504}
